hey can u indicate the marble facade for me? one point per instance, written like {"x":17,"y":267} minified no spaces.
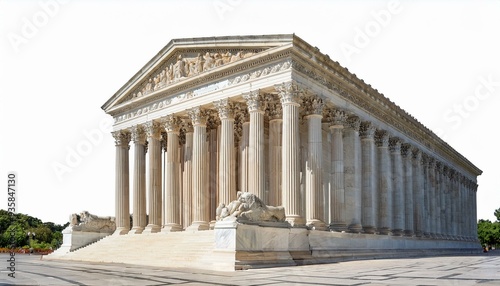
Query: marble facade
{"x":273,"y":116}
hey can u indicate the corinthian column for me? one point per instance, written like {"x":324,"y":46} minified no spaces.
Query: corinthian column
{"x":122,"y":213}
{"x":418,"y":193}
{"x":227,"y":168}
{"x":398,"y":192}
{"x":337,"y":119}
{"x":385,"y":209}
{"x":187,"y":176}
{"x":256,"y":174}
{"x":313,"y":106}
{"x":243,"y":151}
{"x":153,"y":131}
{"x":369,"y":177}
{"x":406,"y":153}
{"x":201,"y":196}
{"x":352,"y":174}
{"x":275,"y":126}
{"x":289,"y":96}
{"x":139,"y":211}
{"x":432,"y":197}
{"x":172,"y":194}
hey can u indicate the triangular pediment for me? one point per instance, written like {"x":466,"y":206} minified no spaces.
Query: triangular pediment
{"x":184,"y":59}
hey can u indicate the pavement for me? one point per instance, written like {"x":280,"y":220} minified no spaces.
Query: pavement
{"x":483,"y":269}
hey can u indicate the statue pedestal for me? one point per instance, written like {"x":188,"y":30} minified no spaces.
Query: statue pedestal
{"x":260,"y":245}
{"x":74,"y":239}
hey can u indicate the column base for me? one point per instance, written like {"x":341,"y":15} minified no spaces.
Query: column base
{"x":198,"y":226}
{"x":121,"y":231}
{"x":171,"y":228}
{"x":369,"y":229}
{"x":427,"y":235}
{"x":316,"y":224}
{"x":136,"y":230}
{"x":338,"y":226}
{"x":296,"y":221}
{"x":152,"y":228}
{"x":418,"y":234}
{"x":384,"y":230}
{"x":355,"y":228}
{"x":397,"y":232}
{"x":408,"y":233}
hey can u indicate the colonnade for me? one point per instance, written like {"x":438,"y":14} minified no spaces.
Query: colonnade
{"x":329,"y":168}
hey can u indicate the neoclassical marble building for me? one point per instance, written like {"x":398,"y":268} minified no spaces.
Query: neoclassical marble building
{"x":273,"y":116}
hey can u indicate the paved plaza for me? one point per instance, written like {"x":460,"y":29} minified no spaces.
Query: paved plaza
{"x":481,"y":269}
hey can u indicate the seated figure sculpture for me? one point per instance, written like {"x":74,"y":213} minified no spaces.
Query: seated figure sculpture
{"x":249,"y":208}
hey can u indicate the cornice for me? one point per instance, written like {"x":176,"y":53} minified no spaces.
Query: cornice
{"x":311,"y":63}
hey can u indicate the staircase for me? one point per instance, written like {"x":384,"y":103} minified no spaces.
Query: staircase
{"x":175,"y":249}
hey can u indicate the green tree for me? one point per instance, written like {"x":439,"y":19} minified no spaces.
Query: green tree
{"x":497,"y":214}
{"x":15,"y":234}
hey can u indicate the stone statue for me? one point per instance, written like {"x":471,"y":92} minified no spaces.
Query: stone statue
{"x":249,"y":208}
{"x":179,"y":68}
{"x":87,"y":222}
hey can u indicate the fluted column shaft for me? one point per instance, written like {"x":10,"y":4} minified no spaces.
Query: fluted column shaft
{"x":153,"y":131}
{"x":427,"y":191}
{"x":432,"y":198}
{"x":385,"y":210}
{"x":418,"y":193}
{"x":275,"y":134}
{"x":256,"y":167}
{"x":369,"y":177}
{"x":243,"y":153}
{"x":337,"y":197}
{"x":201,"y":196}
{"x":139,"y":207}
{"x":314,"y":188}
{"x":397,"y":186}
{"x":439,"y":192}
{"x":171,"y":212}
{"x":122,"y":212}
{"x":227,"y":168}
{"x":289,"y":97}
{"x":352,"y":174}
{"x":406,"y":153}
{"x":187,"y":177}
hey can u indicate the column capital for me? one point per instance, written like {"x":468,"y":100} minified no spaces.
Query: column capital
{"x":367,"y":130}
{"x":395,"y":144}
{"x":439,"y":167}
{"x":164,"y":141}
{"x":336,"y":117}
{"x":198,"y":116}
{"x":353,"y":122}
{"x":289,"y":92}
{"x":212,"y":120}
{"x":187,"y":126}
{"x":255,"y":101}
{"x":153,"y":130}
{"x":381,"y":138}
{"x":274,"y":110}
{"x":138,"y":134}
{"x":225,"y":108}
{"x":417,"y":155}
{"x":122,"y":137}
{"x":312,"y":105}
{"x":172,"y":123}
{"x":406,"y":150}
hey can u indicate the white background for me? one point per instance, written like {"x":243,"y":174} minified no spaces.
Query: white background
{"x":61,"y":60}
